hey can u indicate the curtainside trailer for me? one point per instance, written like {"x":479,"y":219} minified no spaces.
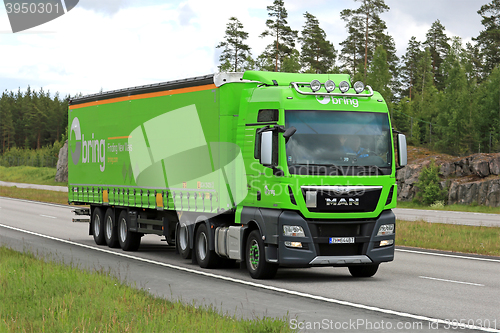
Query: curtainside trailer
{"x":268,"y":169}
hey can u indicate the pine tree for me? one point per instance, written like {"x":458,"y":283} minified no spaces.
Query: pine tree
{"x":437,"y":41}
{"x":409,"y":68}
{"x":488,"y":40}
{"x":318,"y":55}
{"x":367,"y":18}
{"x":235,"y":52}
{"x":379,"y":75}
{"x":284,"y":36}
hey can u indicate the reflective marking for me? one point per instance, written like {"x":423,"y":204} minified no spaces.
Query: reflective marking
{"x":266,"y":287}
{"x":445,"y":280}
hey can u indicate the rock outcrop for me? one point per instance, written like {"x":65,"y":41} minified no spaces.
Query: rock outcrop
{"x":62,"y":164}
{"x":472,"y":179}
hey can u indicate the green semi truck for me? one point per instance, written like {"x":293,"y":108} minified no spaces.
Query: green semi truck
{"x":267,"y":169}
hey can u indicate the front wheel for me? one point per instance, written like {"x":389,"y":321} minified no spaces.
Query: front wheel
{"x":363,"y":270}
{"x":256,"y":262}
{"x":129,"y":241}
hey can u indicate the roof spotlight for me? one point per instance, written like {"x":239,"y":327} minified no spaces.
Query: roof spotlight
{"x":315,"y":85}
{"x":344,"y":86}
{"x":330,"y":86}
{"x":359,"y":87}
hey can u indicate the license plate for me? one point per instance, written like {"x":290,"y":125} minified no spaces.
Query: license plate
{"x":341,"y":240}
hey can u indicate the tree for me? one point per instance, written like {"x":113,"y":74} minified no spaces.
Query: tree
{"x":318,"y":55}
{"x":409,"y":68}
{"x":429,"y":190}
{"x":437,"y":41}
{"x":488,"y":40}
{"x":235,"y":52}
{"x":352,"y":51}
{"x":277,"y":27}
{"x":379,"y":75}
{"x":367,"y":18}
{"x":7,"y":129}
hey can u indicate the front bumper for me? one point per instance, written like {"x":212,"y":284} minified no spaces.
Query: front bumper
{"x":317,"y":251}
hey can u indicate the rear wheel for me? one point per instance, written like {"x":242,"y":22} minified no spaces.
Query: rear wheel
{"x":129,"y":241}
{"x":363,"y":270}
{"x":256,"y":262}
{"x":98,"y":226}
{"x":110,"y":233}
{"x":206,"y":258}
{"x":182,"y":241}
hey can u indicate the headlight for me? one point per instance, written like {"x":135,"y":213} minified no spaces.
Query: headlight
{"x":344,"y":86}
{"x":293,"y":230}
{"x":386,"y":229}
{"x":293,"y":244}
{"x":359,"y":87}
{"x":330,"y":86}
{"x":386,"y":242}
{"x":315,"y":85}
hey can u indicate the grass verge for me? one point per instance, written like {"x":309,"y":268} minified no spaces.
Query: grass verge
{"x":32,"y":194}
{"x":456,"y":208}
{"x":29,"y":175}
{"x":449,"y":237}
{"x":42,"y":296}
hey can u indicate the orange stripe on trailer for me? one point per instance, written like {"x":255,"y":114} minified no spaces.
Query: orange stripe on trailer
{"x":147,"y":95}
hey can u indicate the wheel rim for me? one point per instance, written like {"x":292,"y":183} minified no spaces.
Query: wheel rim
{"x":123,"y":230}
{"x":253,"y":256}
{"x":183,"y":238}
{"x":202,"y":246}
{"x":109,"y":227}
{"x":97,"y":225}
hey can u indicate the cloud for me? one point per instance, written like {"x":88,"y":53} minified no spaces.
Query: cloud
{"x":109,"y":7}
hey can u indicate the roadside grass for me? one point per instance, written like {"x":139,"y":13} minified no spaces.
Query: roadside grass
{"x":449,"y":237}
{"x":30,"y":175}
{"x":33,"y":194}
{"x":455,"y":207}
{"x":42,"y":296}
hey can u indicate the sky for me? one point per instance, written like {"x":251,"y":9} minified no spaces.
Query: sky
{"x":114,"y":44}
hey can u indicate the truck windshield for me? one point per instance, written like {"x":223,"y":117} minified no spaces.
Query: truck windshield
{"x":338,"y":140}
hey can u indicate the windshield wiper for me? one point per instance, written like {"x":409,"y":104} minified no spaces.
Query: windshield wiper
{"x":319,"y":171}
{"x":372,"y":169}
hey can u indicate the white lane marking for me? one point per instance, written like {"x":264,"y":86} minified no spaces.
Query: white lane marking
{"x":48,"y":216}
{"x":448,"y":255}
{"x":263,"y":286}
{"x":445,"y":280}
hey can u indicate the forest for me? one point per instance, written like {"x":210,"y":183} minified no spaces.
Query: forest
{"x":442,"y":94}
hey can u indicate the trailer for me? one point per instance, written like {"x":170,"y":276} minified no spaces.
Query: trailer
{"x":267,"y":169}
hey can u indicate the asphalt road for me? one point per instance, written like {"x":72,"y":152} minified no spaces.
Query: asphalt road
{"x":418,"y":292}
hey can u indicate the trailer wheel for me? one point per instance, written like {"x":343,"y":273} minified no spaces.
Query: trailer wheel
{"x":256,"y":262}
{"x":110,"y":233}
{"x":363,"y":270}
{"x":129,"y":241}
{"x":206,"y":258}
{"x":182,"y":241}
{"x":98,"y":226}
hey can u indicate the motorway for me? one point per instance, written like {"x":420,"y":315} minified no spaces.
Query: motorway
{"x":418,"y":292}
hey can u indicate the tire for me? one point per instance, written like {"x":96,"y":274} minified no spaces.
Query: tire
{"x":255,"y":258}
{"x":110,"y":233}
{"x":363,"y":270}
{"x":182,"y":241}
{"x":129,"y":240}
{"x":98,"y":226}
{"x":206,"y":258}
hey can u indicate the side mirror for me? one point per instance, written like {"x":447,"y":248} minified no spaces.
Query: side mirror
{"x":289,"y":132}
{"x":266,"y":148}
{"x":402,"y":152}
